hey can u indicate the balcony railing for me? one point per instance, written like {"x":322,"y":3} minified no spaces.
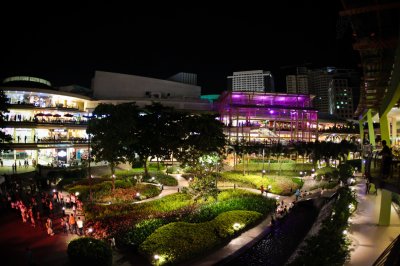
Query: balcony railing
{"x":391,"y":255}
{"x":16,"y":105}
{"x":45,"y":122}
{"x":373,"y":166}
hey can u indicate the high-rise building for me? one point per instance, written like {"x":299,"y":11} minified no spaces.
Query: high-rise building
{"x":297,"y":84}
{"x":332,"y":87}
{"x":253,"y":81}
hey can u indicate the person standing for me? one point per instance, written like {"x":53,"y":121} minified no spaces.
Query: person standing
{"x":262,"y":189}
{"x":49,"y":226}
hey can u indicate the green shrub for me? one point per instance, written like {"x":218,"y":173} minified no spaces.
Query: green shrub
{"x":333,"y":250}
{"x":161,"y":178}
{"x":89,"y":251}
{"x":280,"y":184}
{"x":173,"y":170}
{"x":328,"y":172}
{"x":345,"y":171}
{"x":273,"y":167}
{"x":177,"y":242}
{"x":136,"y":235}
{"x":355,"y":163}
{"x":125,"y":182}
{"x":148,"y":191}
{"x":231,"y":200}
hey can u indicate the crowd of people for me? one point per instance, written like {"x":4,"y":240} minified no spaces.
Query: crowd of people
{"x":45,"y":210}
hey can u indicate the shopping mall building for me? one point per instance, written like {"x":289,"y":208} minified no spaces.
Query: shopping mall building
{"x":48,"y":124}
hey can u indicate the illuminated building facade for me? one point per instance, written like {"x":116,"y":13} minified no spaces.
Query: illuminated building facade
{"x":268,"y":117}
{"x":47,"y":126}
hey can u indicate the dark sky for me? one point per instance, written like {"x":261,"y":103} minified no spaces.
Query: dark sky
{"x":66,"y":45}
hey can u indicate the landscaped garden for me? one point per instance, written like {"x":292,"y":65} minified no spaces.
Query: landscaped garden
{"x":201,"y":217}
{"x":138,"y":226}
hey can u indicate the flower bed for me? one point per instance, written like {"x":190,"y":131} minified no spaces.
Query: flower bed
{"x":120,"y":195}
{"x":177,"y":242}
{"x":123,"y":219}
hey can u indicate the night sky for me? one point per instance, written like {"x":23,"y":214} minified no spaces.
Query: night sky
{"x":66,"y":45}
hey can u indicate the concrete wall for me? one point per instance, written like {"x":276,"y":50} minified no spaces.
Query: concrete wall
{"x":115,"y":86}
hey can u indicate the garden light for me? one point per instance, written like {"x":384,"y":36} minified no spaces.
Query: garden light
{"x":138,"y":194}
{"x":345,"y":232}
{"x":313,"y":170}
{"x":153,"y":178}
{"x":54,"y":190}
{"x":113,"y":176}
{"x":77,"y":193}
{"x":90,"y":230}
{"x":156,"y":257}
{"x":236,"y":226}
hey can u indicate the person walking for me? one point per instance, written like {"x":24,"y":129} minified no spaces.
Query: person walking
{"x":79,"y":223}
{"x":297,"y":194}
{"x":72,"y":223}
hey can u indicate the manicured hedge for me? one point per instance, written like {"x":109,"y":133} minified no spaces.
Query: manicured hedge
{"x":230,"y":200}
{"x":140,"y":231}
{"x":181,"y":241}
{"x":161,"y":178}
{"x":274,"y":166}
{"x":280,"y":185}
{"x":174,"y":170}
{"x":89,"y":251}
{"x":327,"y":172}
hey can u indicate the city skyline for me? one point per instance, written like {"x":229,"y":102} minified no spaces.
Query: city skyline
{"x":67,"y":45}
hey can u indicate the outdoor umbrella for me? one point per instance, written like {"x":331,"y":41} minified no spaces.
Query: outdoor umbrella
{"x":56,"y":115}
{"x":39,"y":114}
{"x":48,"y":114}
{"x":68,"y":115}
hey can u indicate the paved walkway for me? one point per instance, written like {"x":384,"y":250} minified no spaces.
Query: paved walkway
{"x":368,"y":239}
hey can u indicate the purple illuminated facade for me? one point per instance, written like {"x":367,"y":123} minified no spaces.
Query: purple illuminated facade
{"x":268,"y":117}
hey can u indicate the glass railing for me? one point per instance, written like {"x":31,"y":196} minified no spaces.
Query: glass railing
{"x":47,"y":121}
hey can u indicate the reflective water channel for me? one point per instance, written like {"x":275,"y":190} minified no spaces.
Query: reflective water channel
{"x":278,"y":245}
